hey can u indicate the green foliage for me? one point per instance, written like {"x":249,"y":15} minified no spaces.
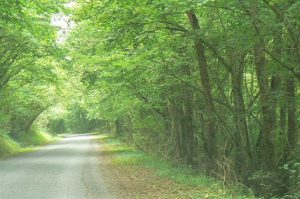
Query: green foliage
{"x":212,"y":84}
{"x":29,"y":71}
{"x":29,"y":63}
{"x":207,"y":84}
{"x":78,"y":121}
{"x":57,"y":126}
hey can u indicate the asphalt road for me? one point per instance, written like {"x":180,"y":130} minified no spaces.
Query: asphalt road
{"x":68,"y":169}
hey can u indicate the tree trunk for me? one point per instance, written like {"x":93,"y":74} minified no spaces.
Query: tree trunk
{"x":244,"y":153}
{"x":175,"y":131}
{"x":207,"y":94}
{"x":292,"y":120}
{"x":266,"y":145}
{"x":33,"y":119}
{"x":188,"y":130}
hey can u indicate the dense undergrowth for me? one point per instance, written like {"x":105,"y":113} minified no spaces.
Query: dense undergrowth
{"x":200,"y":185}
{"x":23,"y":142}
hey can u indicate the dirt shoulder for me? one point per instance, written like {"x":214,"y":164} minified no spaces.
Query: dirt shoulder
{"x":127,"y":177}
{"x":129,"y":182}
{"x":137,"y":182}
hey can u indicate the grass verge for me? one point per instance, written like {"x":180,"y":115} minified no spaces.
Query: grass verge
{"x":8,"y":147}
{"x":193,"y":184}
{"x":25,"y":142}
{"x":35,"y":137}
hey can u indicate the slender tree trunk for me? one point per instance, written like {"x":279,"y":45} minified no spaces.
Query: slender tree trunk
{"x":205,"y":81}
{"x":33,"y":119}
{"x":291,"y":136}
{"x":175,"y":131}
{"x":244,"y":151}
{"x":292,"y":120}
{"x":266,"y":145}
{"x":189,"y":131}
{"x":282,"y":120}
{"x":119,"y":127}
{"x":267,"y":142}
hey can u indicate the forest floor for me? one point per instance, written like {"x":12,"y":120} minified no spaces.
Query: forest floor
{"x":130,"y":174}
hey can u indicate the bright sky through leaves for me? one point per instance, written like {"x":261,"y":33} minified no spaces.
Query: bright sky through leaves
{"x":64,"y":23}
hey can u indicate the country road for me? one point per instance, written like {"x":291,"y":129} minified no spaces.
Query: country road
{"x":68,"y":169}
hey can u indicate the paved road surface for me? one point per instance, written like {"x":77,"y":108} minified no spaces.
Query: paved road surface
{"x":68,"y":169}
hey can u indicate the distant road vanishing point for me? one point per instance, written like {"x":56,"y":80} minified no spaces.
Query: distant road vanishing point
{"x":68,"y":169}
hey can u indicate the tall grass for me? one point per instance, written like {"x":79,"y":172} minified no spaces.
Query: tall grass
{"x":35,"y":137}
{"x":24,"y":142}
{"x":8,"y":146}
